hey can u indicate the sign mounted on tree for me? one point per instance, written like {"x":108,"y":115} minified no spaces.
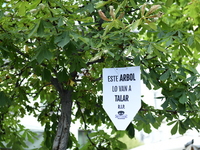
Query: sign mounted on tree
{"x":121,"y":94}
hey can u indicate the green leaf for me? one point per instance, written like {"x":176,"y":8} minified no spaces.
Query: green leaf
{"x":47,"y":54}
{"x":33,"y":4}
{"x":151,"y":118}
{"x":3,"y":48}
{"x":90,"y":7}
{"x":109,"y":27}
{"x":170,"y":123}
{"x":121,"y":145}
{"x":40,"y":30}
{"x":35,"y":28}
{"x":182,"y":129}
{"x":135,"y":24}
{"x":173,"y":102}
{"x":1,"y":15}
{"x":168,"y":3}
{"x":63,"y":39}
{"x":62,"y":75}
{"x":156,"y":125}
{"x":183,"y":99}
{"x":173,"y":75}
{"x":51,"y":43}
{"x":192,"y":97}
{"x":137,"y":60}
{"x":110,"y":53}
{"x":47,"y":24}
{"x":118,"y":24}
{"x":174,"y":129}
{"x":140,"y":118}
{"x":84,"y":39}
{"x":180,"y":34}
{"x":158,"y":53}
{"x":121,"y":6}
{"x":70,"y":48}
{"x":133,"y":4}
{"x":165,"y":104}
{"x":182,"y":108}
{"x":165,"y":75}
{"x":43,"y":53}
{"x":187,"y":50}
{"x":147,"y":128}
{"x":159,"y":48}
{"x":169,"y":41}
{"x":4,"y":100}
{"x":150,"y":49}
{"x":190,"y":40}
{"x":46,"y":75}
{"x":30,"y":138}
{"x":22,"y":10}
{"x":191,"y":78}
{"x":130,"y":131}
{"x":101,"y":4}
{"x":153,"y":25}
{"x":182,"y":51}
{"x":97,"y":56}
{"x":60,"y":22}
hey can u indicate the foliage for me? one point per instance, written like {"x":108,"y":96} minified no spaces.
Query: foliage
{"x":131,"y":143}
{"x":50,"y":46}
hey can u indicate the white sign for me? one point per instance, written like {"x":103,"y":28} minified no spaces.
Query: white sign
{"x":121,"y":94}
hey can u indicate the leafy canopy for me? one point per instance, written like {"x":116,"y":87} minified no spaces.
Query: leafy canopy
{"x":72,"y":41}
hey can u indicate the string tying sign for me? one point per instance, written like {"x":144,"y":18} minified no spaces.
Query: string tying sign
{"x":121,"y":94}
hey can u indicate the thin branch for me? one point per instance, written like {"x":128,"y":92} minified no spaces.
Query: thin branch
{"x":102,"y":60}
{"x":2,"y":28}
{"x":93,"y":80}
{"x":85,"y":125}
{"x":5,"y":148}
{"x":5,"y":65}
{"x":170,"y":111}
{"x":21,"y":53}
{"x":82,"y":31}
{"x":52,"y":16}
{"x":40,"y":89}
{"x":97,"y":79}
{"x":18,"y":82}
{"x":96,"y":61}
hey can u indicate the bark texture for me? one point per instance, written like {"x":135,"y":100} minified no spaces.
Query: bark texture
{"x":62,"y":135}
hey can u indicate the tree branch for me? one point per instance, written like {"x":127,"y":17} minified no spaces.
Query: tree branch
{"x":57,"y":85}
{"x":53,"y":16}
{"x":40,"y":89}
{"x":21,"y":53}
{"x":85,"y":125}
{"x":170,"y":111}
{"x":2,"y":28}
{"x":4,"y":65}
{"x":96,"y":61}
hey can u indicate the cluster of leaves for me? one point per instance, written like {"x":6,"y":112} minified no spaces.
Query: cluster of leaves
{"x":72,"y":41}
{"x":102,"y":140}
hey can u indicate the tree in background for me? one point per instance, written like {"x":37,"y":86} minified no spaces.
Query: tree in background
{"x":54,"y":51}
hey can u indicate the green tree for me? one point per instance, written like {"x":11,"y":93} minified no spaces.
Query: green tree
{"x":55,"y":50}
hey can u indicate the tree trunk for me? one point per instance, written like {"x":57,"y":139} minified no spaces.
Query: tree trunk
{"x":62,"y":135}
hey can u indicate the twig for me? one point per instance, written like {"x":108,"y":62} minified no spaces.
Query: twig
{"x":41,"y":89}
{"x":85,"y":125}
{"x":95,"y":61}
{"x":170,"y":111}
{"x":52,"y":16}
{"x":2,"y":28}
